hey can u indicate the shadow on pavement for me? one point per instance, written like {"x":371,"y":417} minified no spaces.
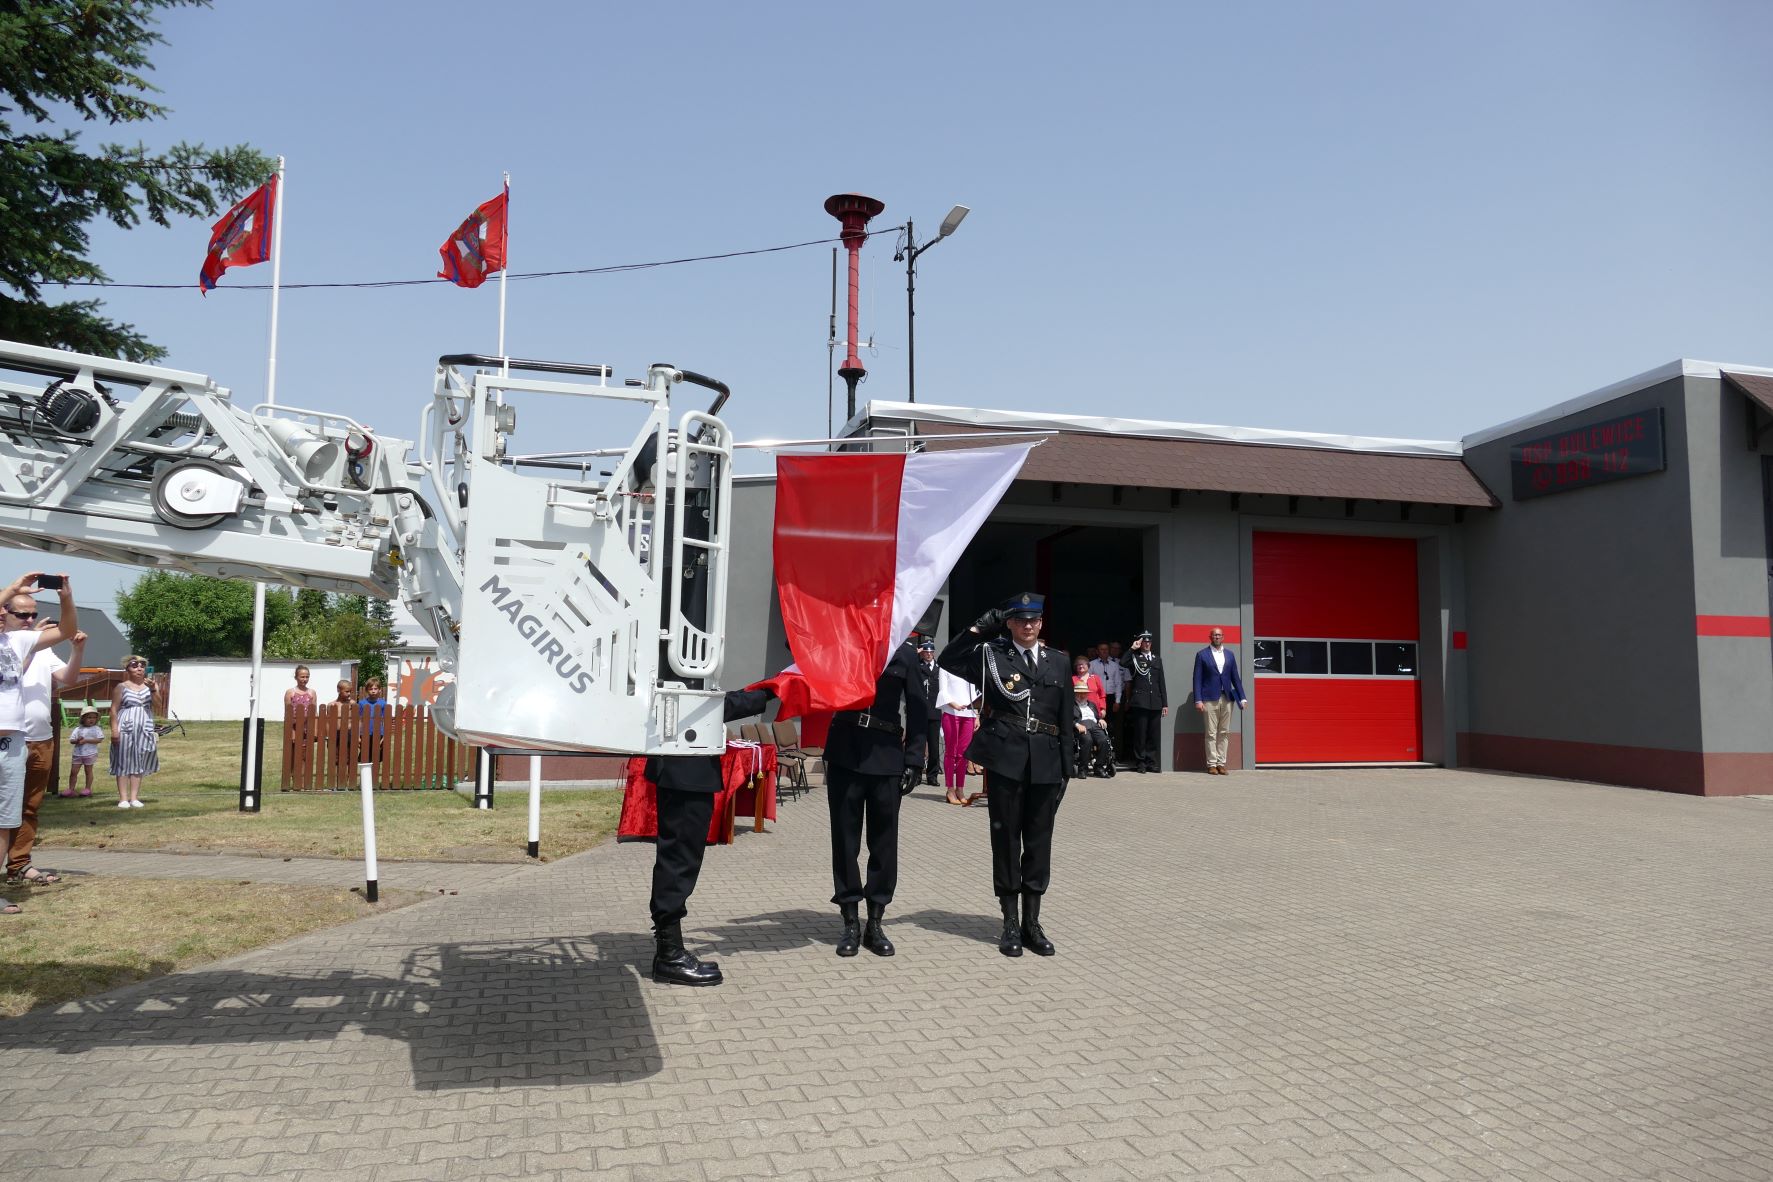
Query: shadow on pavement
{"x":528,"y":1013}
{"x":781,"y":931}
{"x":774,"y":931}
{"x":979,"y":927}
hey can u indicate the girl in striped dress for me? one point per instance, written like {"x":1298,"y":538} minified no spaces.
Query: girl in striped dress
{"x":134,"y":742}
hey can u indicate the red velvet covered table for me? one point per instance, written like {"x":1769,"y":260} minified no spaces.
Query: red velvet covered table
{"x":748,"y":784}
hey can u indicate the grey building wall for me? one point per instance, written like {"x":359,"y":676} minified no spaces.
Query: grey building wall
{"x":1202,"y":579}
{"x":1582,"y":658}
{"x":1198,"y":572}
{"x":106,"y":643}
{"x":1731,"y":577}
{"x":756,"y":646}
{"x":1195,"y":552}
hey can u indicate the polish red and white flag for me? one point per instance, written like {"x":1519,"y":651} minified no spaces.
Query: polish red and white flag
{"x":862,"y":545}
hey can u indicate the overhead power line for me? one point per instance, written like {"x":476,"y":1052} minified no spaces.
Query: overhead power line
{"x":514,"y":276}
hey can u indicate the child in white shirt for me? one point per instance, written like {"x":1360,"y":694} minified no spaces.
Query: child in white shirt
{"x":86,"y":737}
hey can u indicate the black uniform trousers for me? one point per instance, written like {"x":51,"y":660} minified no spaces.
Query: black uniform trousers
{"x":684,"y":818}
{"x":859,"y":801}
{"x":1144,"y":727}
{"x":1021,"y":833}
{"x":932,"y":764}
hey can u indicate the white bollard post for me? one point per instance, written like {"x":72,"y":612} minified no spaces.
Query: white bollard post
{"x":535,"y":806}
{"x":366,"y":787}
{"x":483,"y":778}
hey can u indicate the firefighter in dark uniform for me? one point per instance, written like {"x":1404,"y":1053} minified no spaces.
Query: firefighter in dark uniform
{"x":932,"y":764}
{"x":1025,"y":743}
{"x":1147,"y":698}
{"x":687,"y":785}
{"x":872,"y":756}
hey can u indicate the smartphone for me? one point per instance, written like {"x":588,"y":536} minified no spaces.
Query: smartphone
{"x":49,"y":582}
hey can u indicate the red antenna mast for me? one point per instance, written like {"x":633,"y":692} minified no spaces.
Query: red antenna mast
{"x":854,"y":211}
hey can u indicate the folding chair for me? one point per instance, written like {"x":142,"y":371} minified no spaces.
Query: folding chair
{"x":790,"y":759}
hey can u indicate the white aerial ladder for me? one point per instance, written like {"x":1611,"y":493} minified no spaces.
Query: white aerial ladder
{"x":573,"y":611}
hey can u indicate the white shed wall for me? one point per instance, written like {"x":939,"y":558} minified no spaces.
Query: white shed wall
{"x":216,"y":689}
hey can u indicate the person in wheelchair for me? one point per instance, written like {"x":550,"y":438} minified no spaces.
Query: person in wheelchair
{"x":1095,"y":754}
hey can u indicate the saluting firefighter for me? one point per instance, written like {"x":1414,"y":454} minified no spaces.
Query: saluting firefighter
{"x":926,"y":660}
{"x":1147,"y":696}
{"x":871,"y":756}
{"x":1025,"y":741}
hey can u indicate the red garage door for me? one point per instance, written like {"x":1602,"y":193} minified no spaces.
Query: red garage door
{"x":1335,"y":669}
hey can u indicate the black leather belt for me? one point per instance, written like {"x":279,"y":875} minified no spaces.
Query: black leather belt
{"x":1035,"y":726}
{"x":870,"y":723}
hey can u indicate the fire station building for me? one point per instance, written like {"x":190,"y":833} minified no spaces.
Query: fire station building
{"x":1583,"y":592}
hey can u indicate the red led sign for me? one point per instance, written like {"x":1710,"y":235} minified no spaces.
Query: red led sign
{"x":1591,"y":454}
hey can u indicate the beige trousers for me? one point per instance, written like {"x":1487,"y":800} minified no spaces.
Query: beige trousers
{"x":1218,"y":716}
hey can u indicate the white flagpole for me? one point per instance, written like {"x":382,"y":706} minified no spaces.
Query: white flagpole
{"x":249,"y":783}
{"x":504,"y":358}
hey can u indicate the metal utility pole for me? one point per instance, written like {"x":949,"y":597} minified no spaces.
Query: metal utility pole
{"x":909,"y":253}
{"x":831,"y":344}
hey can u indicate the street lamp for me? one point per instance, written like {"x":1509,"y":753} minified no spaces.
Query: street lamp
{"x":909,"y":253}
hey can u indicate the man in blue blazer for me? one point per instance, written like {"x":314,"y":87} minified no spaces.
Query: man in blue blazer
{"x":1216,"y":687}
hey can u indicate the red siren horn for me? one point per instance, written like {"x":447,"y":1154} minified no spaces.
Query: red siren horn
{"x":854,"y":211}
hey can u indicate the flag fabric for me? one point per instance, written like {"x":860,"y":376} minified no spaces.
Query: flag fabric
{"x":862,"y":545}
{"x":242,"y":237}
{"x":477,"y":248}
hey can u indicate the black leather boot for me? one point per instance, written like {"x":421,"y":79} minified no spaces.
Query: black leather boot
{"x":674,"y":964}
{"x":1035,"y":939}
{"x":1010,"y":943}
{"x":873,"y":939}
{"x":850,"y":942}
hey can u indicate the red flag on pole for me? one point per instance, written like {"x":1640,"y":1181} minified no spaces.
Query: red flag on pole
{"x":242,"y":237}
{"x":477,"y":248}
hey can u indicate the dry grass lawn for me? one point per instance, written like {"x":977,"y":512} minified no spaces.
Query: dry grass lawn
{"x":86,"y":936}
{"x":192,"y":806}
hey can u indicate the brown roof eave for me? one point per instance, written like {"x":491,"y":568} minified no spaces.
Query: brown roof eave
{"x":1759,"y":392}
{"x":1252,"y":468}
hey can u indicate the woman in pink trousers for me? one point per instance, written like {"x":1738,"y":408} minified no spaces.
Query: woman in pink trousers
{"x":960,"y":713}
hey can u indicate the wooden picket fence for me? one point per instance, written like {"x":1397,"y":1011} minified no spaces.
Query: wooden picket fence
{"x":323,"y":746}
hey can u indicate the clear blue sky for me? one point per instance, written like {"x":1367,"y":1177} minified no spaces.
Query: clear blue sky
{"x":1371,"y":217}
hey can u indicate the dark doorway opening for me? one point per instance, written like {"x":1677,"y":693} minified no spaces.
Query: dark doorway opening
{"x":1092,"y":575}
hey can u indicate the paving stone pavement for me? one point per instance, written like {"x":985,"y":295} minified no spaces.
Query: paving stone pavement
{"x":1413,"y":975}
{"x":390,"y":875}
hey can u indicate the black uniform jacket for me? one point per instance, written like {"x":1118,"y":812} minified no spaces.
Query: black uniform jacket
{"x":1004,"y":743}
{"x":701,"y":773}
{"x":1146,"y":691}
{"x":898,"y":737}
{"x":932,"y":685}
